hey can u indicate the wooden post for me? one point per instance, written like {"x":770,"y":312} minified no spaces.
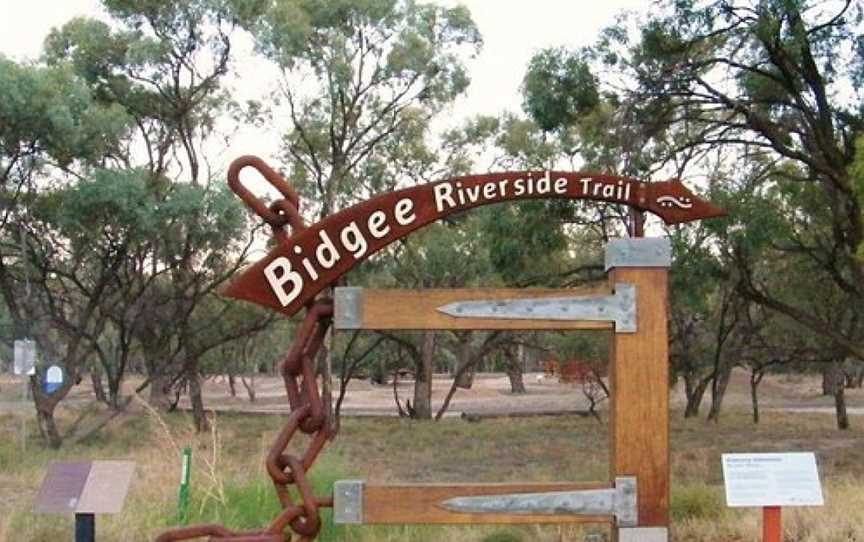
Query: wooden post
{"x":639,"y":377}
{"x":772,"y":530}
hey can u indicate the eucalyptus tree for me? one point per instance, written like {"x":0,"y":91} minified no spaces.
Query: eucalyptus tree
{"x":765,"y":214}
{"x":778,"y":82}
{"x":52,"y":128}
{"x":50,"y":125}
{"x":164,"y":64}
{"x":356,"y":76}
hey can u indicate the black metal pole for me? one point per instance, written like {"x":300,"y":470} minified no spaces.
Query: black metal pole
{"x":85,"y":528}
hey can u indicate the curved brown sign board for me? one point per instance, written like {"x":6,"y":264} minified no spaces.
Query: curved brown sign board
{"x":314,"y":258}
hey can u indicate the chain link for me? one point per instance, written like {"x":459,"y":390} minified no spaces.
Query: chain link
{"x":300,"y":512}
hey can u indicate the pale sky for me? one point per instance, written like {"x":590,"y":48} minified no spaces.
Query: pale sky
{"x":512,"y":30}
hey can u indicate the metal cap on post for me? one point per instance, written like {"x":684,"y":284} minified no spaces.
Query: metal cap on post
{"x":638,"y":252}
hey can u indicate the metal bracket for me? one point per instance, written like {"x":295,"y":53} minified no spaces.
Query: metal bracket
{"x":620,"y":307}
{"x":348,"y":501}
{"x":638,"y":252}
{"x":619,"y":502}
{"x":348,"y":308}
{"x":626,"y":506}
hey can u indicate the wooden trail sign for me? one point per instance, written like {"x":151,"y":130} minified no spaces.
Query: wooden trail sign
{"x":635,"y":498}
{"x":315,"y":257}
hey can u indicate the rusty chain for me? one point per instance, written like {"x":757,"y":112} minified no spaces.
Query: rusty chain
{"x":309,"y":415}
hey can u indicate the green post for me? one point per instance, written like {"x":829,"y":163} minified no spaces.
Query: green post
{"x":185,"y":475}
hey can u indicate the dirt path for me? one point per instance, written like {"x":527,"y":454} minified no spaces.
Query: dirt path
{"x":490,"y":395}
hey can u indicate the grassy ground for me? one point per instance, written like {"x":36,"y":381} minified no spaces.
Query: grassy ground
{"x":229,"y":485}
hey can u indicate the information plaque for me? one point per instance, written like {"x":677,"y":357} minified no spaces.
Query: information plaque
{"x":24,"y":356}
{"x":774,"y":479}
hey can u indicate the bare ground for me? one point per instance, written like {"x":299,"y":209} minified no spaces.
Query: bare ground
{"x":490,"y":394}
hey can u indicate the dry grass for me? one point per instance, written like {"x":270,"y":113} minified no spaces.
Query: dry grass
{"x":229,"y":484}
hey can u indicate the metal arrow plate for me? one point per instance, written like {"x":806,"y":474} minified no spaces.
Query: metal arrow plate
{"x":620,"y":307}
{"x":619,"y":502}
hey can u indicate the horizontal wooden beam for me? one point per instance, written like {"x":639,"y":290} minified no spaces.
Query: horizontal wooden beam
{"x":390,"y":309}
{"x":421,"y":504}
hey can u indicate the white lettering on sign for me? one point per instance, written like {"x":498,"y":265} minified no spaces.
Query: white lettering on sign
{"x":619,"y":191}
{"x":289,"y":274}
{"x":378,"y":224}
{"x":449,"y":195}
{"x":779,"y":479}
{"x":284,"y":276}
{"x":403,"y":211}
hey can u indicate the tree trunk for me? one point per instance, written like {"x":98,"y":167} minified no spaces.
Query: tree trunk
{"x":98,"y":386}
{"x":840,"y":407}
{"x":464,"y":378}
{"x":45,"y":407}
{"x":250,"y":386}
{"x":755,"y":380}
{"x":232,"y":385}
{"x":195,"y":396}
{"x":114,"y":385}
{"x":423,"y":379}
{"x":832,"y":376}
{"x":48,"y":428}
{"x":718,"y":391}
{"x":694,"y":394}
{"x":159,"y":392}
{"x":514,"y":373}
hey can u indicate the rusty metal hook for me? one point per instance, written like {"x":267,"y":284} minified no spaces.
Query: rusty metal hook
{"x":269,"y":215}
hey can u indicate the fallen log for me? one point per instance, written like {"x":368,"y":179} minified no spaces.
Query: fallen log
{"x":479,"y":416}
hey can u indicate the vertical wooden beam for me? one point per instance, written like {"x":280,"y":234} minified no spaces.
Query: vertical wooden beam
{"x":639,"y":376}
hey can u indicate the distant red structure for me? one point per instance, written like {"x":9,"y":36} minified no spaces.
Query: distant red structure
{"x":570,"y":372}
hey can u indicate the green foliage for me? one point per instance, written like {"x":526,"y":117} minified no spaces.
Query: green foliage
{"x":122,"y":208}
{"x":590,"y":347}
{"x":559,"y":88}
{"x":52,"y":111}
{"x":697,"y":501}
{"x":520,"y":241}
{"x":161,"y":62}
{"x":250,"y":504}
{"x":442,"y":255}
{"x":361,"y":80}
{"x":503,"y":536}
{"x":857,"y":173}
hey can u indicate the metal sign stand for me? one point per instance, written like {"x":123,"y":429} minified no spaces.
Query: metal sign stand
{"x":772,"y":529}
{"x":85,"y":527}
